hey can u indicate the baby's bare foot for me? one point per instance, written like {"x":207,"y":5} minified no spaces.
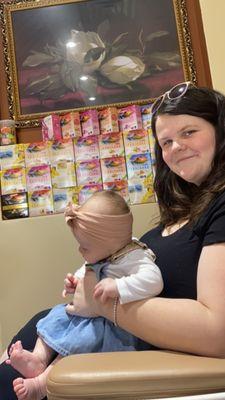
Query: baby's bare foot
{"x":28,"y":389}
{"x":27,"y":363}
{"x":16,"y":345}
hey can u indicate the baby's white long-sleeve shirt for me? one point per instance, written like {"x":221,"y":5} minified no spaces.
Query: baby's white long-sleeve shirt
{"x":136,"y":274}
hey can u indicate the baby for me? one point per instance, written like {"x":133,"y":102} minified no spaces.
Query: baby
{"x":125,"y":270}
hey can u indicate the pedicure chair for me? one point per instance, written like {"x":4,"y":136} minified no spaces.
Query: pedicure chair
{"x":139,"y":375}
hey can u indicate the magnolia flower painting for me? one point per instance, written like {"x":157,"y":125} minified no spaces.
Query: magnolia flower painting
{"x":95,"y":52}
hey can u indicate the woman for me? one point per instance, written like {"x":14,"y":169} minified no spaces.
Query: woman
{"x":189,"y":243}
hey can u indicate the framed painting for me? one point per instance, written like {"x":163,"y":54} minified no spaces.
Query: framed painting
{"x":63,"y":55}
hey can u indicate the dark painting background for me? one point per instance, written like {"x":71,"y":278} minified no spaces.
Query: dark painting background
{"x":36,"y":27}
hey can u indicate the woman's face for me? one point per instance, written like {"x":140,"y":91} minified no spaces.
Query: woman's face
{"x":188,"y":145}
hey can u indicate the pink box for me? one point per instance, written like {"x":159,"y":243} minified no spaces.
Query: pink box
{"x":88,"y":172}
{"x":130,"y":118}
{"x":113,"y":168}
{"x":89,"y":122}
{"x":108,"y":120}
{"x":136,"y":141}
{"x":38,"y":178}
{"x":61,"y":150}
{"x":36,"y":153}
{"x":146,"y":116}
{"x":51,"y":128}
{"x":111,"y":144}
{"x":86,"y":148}
{"x":70,"y":125}
{"x":139,"y":165}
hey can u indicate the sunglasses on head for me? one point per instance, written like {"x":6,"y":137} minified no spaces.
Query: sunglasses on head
{"x":174,"y":93}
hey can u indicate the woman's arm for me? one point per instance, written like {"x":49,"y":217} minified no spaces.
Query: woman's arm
{"x":177,"y":324}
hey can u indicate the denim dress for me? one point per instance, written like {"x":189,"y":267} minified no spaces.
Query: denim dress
{"x":71,"y":334}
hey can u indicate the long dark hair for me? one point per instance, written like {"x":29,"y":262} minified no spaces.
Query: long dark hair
{"x":180,"y":200}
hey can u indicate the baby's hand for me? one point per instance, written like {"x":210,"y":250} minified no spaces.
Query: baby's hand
{"x":70,"y":283}
{"x":106,"y":288}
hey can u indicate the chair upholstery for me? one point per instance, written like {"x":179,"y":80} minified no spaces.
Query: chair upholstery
{"x":135,"y":375}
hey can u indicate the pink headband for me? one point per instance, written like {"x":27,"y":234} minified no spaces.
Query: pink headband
{"x":107,"y":233}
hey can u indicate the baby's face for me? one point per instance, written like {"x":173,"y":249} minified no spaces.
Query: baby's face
{"x":91,"y":251}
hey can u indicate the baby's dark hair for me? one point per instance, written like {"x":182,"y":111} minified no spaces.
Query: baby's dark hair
{"x":115,"y":201}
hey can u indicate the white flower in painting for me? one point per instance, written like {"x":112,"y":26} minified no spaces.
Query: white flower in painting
{"x":80,"y":45}
{"x":123,"y":69}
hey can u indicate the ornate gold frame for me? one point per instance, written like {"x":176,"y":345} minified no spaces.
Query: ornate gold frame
{"x":187,"y":35}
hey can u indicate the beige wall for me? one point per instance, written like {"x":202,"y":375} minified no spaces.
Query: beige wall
{"x":37,"y":252}
{"x":213,"y":12}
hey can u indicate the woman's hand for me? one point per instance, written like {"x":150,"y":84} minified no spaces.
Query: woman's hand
{"x":84,"y":303}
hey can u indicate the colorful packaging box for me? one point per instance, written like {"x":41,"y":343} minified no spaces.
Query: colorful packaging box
{"x":130,"y":118}
{"x":113,"y":168}
{"x":12,"y":156}
{"x":139,"y":165}
{"x":40,"y":202}
{"x":61,"y":150}
{"x":89,"y":122}
{"x":146,"y":116}
{"x":63,"y":174}
{"x":121,"y":187}
{"x":61,"y":197}
{"x":38,"y":178}
{"x":7,"y":132}
{"x":14,"y":206}
{"x":86,"y":191}
{"x":151,"y":144}
{"x":37,"y":154}
{"x":70,"y":125}
{"x":141,"y":190}
{"x":13,"y":180}
{"x":88,"y":172}
{"x":108,"y":120}
{"x":51,"y":127}
{"x":111,"y":144}
{"x":136,"y":142}
{"x":86,"y":148}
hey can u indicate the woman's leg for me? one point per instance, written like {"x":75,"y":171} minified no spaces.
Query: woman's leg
{"x":4,"y":357}
{"x":8,"y":374}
